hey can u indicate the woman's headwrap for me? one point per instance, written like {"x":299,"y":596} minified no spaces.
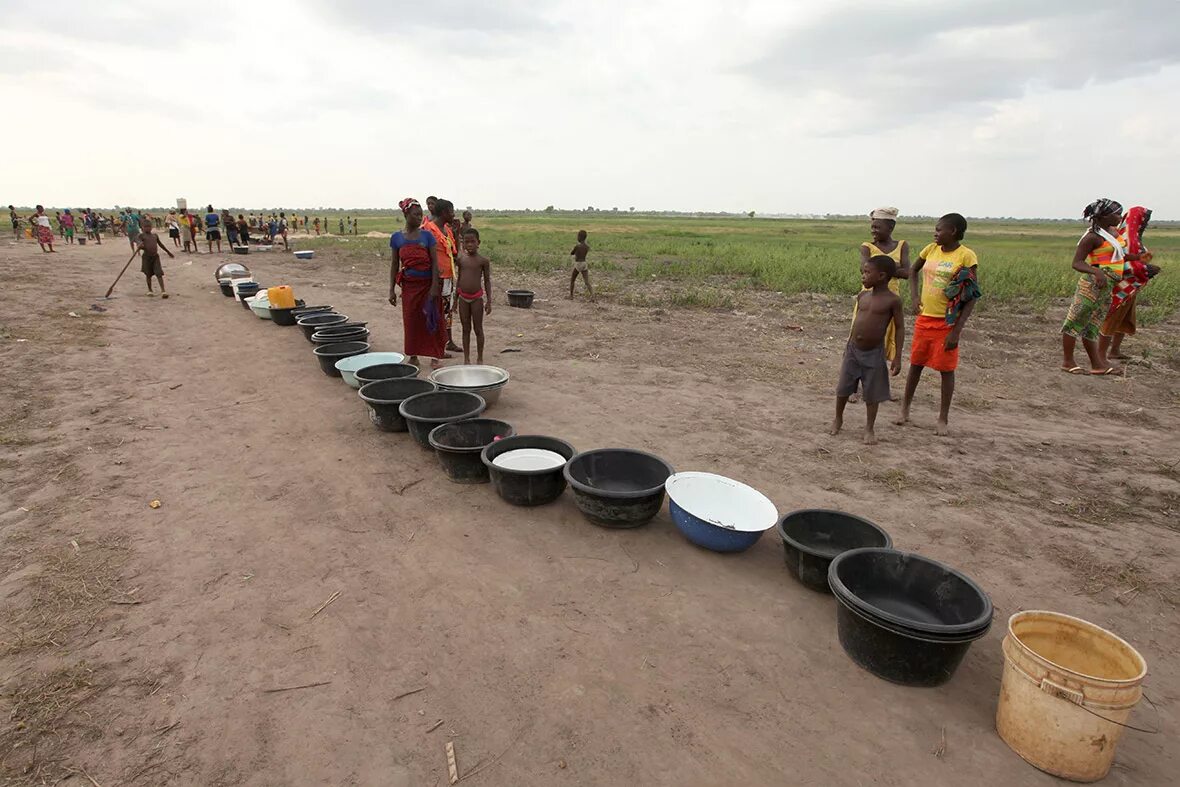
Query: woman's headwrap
{"x":407,"y":203}
{"x":1101,"y":207}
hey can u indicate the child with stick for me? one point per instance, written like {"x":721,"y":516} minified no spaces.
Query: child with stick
{"x":877,"y":310}
{"x":473,"y":288}
{"x":149,"y":245}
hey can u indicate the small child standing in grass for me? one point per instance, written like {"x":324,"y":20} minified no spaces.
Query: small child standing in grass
{"x":579,"y":253}
{"x":473,"y":288}
{"x":877,"y":310}
{"x":949,"y":291}
{"x":149,"y":244}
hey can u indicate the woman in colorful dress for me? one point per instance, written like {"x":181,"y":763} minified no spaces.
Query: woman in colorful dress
{"x":415,"y":269}
{"x":1099,"y":251}
{"x":1120,"y":320}
{"x":42,"y":229}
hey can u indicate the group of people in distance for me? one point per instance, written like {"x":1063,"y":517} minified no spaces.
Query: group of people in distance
{"x":1111,"y":258}
{"x":41,"y":226}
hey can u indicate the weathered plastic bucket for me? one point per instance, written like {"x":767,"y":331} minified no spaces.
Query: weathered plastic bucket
{"x":1068,"y":688}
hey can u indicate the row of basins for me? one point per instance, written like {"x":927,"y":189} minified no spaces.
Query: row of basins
{"x":901,"y":616}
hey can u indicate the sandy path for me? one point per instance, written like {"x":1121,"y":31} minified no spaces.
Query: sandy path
{"x":574,"y":654}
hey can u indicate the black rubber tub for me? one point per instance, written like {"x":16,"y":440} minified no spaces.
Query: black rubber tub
{"x":428,"y":410}
{"x":343,"y":333}
{"x":384,"y":397}
{"x":303,"y":311}
{"x":458,"y":446}
{"x":618,"y":487}
{"x":385,"y":371}
{"x":527,"y":487}
{"x":283,"y":316}
{"x":329,"y":354}
{"x":227,"y":288}
{"x":813,"y":537}
{"x":909,"y":590}
{"x":521,"y":299}
{"x":906,"y":618}
{"x":895,"y":655}
{"x":314,"y":322}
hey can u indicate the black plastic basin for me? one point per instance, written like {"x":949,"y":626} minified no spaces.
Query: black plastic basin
{"x":314,"y":322}
{"x":330,"y":336}
{"x":527,"y":487}
{"x":385,"y":371}
{"x":459,"y":445}
{"x":304,"y":311}
{"x":227,"y":288}
{"x":282,"y":316}
{"x":813,"y":537}
{"x":521,"y":299}
{"x":384,"y":397}
{"x":909,"y":590}
{"x":897,"y":655}
{"x":426,"y":411}
{"x":329,"y":354}
{"x":618,"y":487}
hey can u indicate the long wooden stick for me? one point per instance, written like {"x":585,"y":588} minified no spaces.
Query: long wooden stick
{"x":125,"y":267}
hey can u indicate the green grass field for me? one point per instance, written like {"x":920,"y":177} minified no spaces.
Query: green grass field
{"x":1022,"y":264}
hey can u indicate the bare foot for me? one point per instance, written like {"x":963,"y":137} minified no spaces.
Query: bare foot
{"x":942,"y":430}
{"x":479,"y":360}
{"x":854,"y":398}
{"x":837,"y":424}
{"x":434,"y":363}
{"x":870,"y":437}
{"x":904,"y":418}
{"x":447,"y":355}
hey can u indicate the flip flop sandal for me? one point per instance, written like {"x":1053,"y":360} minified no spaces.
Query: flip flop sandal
{"x":1072,"y":370}
{"x":1110,"y":372}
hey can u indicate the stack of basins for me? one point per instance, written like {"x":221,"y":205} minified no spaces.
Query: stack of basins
{"x":904,"y":617}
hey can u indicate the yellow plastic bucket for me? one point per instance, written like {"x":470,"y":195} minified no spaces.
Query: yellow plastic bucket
{"x":281,"y":297}
{"x":1068,"y":688}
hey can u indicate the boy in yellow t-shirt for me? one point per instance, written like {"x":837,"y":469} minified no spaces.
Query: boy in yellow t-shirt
{"x":936,"y":337}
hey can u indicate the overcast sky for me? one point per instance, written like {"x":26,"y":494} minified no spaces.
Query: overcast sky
{"x":986,"y":107}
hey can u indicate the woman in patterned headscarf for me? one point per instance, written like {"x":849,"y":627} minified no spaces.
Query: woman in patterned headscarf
{"x":415,"y":269}
{"x":1120,"y":320}
{"x":1100,"y":251}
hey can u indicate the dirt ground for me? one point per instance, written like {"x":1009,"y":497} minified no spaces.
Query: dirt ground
{"x":147,"y":646}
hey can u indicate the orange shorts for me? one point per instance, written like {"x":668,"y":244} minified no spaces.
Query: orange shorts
{"x":928,"y":347}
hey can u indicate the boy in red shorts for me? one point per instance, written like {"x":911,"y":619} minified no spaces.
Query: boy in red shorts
{"x":947,"y":272}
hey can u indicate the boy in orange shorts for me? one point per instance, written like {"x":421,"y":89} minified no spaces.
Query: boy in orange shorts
{"x":949,"y":290}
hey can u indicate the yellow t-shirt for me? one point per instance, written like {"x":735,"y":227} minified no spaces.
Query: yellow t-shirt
{"x":941,"y":266}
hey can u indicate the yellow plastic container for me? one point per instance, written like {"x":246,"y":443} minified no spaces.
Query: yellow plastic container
{"x":281,"y":297}
{"x":1068,"y":687}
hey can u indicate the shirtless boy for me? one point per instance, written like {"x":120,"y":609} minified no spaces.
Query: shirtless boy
{"x":149,"y":244}
{"x":579,"y":252}
{"x":473,"y":289}
{"x":877,"y":307}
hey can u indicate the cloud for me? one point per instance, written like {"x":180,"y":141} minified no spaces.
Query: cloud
{"x":394,"y":20}
{"x":767,"y":105}
{"x":892,"y":62}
